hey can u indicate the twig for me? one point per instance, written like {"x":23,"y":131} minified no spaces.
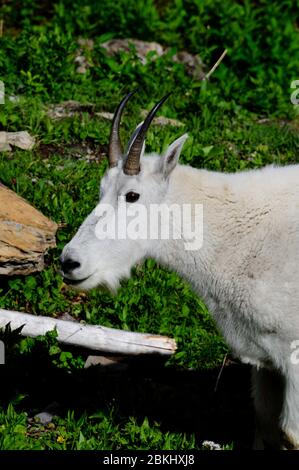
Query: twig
{"x":220,"y":372}
{"x":216,"y":64}
{"x":1,"y":28}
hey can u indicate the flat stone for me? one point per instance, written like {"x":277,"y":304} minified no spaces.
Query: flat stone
{"x":116,"y":363}
{"x":21,"y":139}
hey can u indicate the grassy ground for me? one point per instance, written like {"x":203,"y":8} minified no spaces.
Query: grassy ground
{"x":241,"y":118}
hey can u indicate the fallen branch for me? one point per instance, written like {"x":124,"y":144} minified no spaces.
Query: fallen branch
{"x":94,"y":337}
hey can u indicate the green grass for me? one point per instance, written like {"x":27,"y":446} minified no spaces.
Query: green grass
{"x":225,"y":118}
{"x":86,"y":433}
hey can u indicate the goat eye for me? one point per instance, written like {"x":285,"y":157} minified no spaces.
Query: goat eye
{"x":132,"y":197}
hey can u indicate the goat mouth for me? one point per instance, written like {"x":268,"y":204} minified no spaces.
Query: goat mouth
{"x":74,"y":282}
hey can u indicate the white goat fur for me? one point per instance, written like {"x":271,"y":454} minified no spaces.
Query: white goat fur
{"x":247,"y":270}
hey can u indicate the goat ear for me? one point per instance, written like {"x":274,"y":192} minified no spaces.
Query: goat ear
{"x":172,"y":154}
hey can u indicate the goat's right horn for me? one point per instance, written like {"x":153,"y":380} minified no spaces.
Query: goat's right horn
{"x":132,"y":163}
{"x":115,"y":149}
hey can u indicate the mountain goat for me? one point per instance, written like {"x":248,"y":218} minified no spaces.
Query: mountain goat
{"x":246,"y":268}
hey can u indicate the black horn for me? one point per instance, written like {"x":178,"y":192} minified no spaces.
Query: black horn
{"x":115,"y":149}
{"x":132,"y":164}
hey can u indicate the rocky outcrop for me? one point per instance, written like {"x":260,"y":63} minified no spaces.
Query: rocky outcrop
{"x":25,"y":235}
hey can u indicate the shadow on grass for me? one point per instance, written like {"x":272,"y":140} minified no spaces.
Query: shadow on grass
{"x":179,"y":400}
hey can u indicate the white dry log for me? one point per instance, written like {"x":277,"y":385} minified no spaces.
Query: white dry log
{"x":94,"y":337}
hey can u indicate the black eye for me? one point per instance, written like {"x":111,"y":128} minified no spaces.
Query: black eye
{"x":132,"y":197}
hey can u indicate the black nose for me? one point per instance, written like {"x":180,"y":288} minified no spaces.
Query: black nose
{"x":69,"y":265}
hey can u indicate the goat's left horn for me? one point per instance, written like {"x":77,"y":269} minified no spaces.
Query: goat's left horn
{"x":132,"y":164}
{"x":115,"y":149}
